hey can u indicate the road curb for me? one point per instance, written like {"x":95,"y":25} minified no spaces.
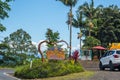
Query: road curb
{"x":7,"y":74}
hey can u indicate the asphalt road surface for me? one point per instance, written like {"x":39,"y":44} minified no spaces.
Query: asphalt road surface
{"x":99,"y":75}
{"x":106,"y":75}
{"x":4,"y":74}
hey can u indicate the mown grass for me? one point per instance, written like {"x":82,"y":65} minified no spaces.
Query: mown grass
{"x":75,"y":76}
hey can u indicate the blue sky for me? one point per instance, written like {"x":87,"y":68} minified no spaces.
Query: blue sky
{"x":35,"y":16}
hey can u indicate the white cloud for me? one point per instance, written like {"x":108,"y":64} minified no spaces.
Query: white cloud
{"x":77,"y":47}
{"x":34,"y":43}
{"x":43,"y":45}
{"x":63,"y":45}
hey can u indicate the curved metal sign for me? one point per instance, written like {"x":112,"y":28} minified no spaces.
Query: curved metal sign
{"x":53,"y":53}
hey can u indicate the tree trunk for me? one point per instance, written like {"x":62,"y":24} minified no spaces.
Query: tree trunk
{"x":80,"y":39}
{"x":70,"y":30}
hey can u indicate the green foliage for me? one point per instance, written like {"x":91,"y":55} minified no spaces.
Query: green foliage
{"x":2,"y":28}
{"x":48,"y":69}
{"x":69,"y":2}
{"x":3,"y":46}
{"x":12,"y":60}
{"x":90,"y":41}
{"x":109,"y":25}
{"x":20,"y":47}
{"x":52,"y":37}
{"x":4,"y":8}
{"x":90,"y":17}
{"x":20,"y":42}
{"x":105,"y":22}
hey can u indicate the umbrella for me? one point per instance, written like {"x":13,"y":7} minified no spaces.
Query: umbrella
{"x":99,"y":47}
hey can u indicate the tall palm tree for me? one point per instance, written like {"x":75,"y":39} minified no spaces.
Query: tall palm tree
{"x":71,"y":4}
{"x":91,"y":13}
{"x":78,"y":23}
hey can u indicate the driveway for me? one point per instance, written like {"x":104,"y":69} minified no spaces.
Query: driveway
{"x":5,"y":76}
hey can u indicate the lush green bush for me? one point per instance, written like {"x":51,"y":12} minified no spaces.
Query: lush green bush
{"x":48,"y":69}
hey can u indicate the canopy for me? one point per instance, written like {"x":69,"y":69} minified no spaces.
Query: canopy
{"x":99,"y":47}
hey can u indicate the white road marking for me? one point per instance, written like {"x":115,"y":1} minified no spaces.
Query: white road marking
{"x":11,"y":76}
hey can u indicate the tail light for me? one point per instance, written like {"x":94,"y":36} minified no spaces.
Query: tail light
{"x":116,"y":56}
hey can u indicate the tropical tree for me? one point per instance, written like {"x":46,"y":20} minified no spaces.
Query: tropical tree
{"x":79,"y":23}
{"x":51,"y":40}
{"x":71,"y":4}
{"x":4,"y":8}
{"x":52,"y":37}
{"x":19,"y":41}
{"x":90,"y":42}
{"x":3,"y":48}
{"x":91,"y":15}
{"x":109,"y":25}
{"x":20,"y":44}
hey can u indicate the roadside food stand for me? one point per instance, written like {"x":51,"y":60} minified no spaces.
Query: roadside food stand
{"x":99,"y":51}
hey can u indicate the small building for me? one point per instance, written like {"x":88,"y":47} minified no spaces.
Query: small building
{"x":85,"y":55}
{"x":92,"y":54}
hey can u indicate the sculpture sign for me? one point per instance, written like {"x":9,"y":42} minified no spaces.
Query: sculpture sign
{"x":56,"y":54}
{"x":53,"y":53}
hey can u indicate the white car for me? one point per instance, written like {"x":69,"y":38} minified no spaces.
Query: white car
{"x":111,"y":59}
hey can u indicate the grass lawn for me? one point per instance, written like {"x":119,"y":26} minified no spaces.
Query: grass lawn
{"x":82,"y":75}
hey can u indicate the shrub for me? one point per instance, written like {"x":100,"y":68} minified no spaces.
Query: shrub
{"x":51,"y":68}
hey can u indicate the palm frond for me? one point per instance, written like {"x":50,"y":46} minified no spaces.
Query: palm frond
{"x":69,"y":2}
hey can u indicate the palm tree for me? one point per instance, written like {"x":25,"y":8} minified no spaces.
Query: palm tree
{"x":71,"y":4}
{"x":78,"y":23}
{"x":91,"y":14}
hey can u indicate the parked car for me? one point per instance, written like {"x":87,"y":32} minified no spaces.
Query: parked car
{"x":111,"y":59}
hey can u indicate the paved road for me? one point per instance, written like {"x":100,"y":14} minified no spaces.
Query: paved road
{"x":106,"y":75}
{"x":5,"y":76}
{"x":99,"y":75}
